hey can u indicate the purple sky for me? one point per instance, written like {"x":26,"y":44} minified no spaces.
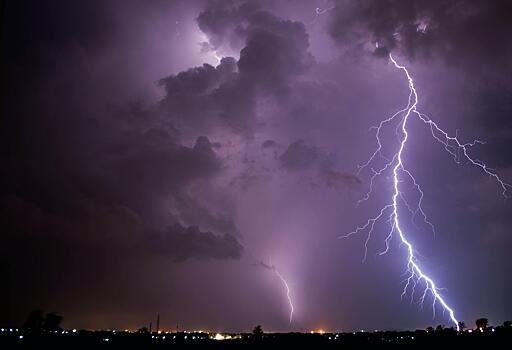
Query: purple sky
{"x":155,"y":153}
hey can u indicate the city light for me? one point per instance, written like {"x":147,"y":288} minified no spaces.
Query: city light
{"x":219,"y":336}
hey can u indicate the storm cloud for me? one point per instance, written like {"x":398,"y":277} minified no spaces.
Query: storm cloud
{"x":153,"y":154}
{"x":466,"y":32}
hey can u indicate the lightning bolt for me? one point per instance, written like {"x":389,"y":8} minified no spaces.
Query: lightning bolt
{"x":290,"y":302}
{"x":457,"y":149}
{"x":273,"y":268}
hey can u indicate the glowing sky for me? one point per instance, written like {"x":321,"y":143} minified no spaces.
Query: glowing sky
{"x":141,"y":174}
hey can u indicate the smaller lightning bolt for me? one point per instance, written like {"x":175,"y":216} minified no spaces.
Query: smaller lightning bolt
{"x":273,"y":268}
{"x":320,"y":11}
{"x":287,"y":292}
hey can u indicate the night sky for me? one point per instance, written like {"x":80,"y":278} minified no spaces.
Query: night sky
{"x":159,"y":156}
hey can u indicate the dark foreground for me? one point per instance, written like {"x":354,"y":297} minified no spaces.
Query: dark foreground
{"x":500,"y":337}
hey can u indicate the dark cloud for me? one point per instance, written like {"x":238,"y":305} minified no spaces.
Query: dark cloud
{"x":269,"y":144}
{"x":301,"y":156}
{"x":466,"y":32}
{"x":184,"y":243}
{"x":102,"y":230}
{"x":199,"y":80}
{"x":336,"y":179}
{"x":139,"y":172}
{"x":317,"y":166}
{"x":191,"y":95}
{"x":224,"y":22}
{"x":153,"y":165}
{"x":276,"y":51}
{"x":202,"y":97}
{"x":273,"y":53}
{"x":190,"y":208}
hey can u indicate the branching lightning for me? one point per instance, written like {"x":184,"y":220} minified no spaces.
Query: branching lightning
{"x":400,"y":174}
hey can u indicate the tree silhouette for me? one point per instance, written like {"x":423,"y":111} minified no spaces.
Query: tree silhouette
{"x":507,"y":324}
{"x":462,"y":326}
{"x":482,"y":323}
{"x":257,"y":331}
{"x":34,"y":321}
{"x":143,"y":330}
{"x":430,"y":329}
{"x":52,"y":322}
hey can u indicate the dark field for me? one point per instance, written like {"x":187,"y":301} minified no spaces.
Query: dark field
{"x":499,"y":337}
